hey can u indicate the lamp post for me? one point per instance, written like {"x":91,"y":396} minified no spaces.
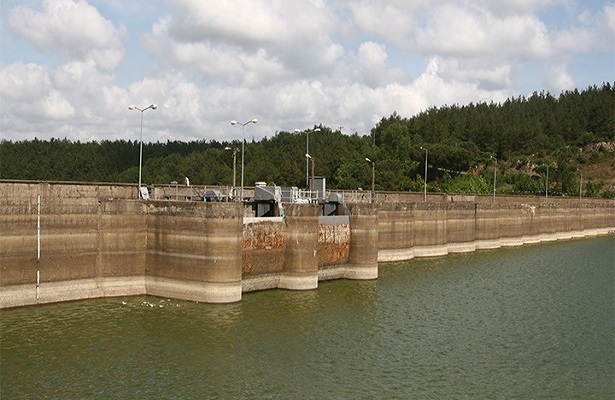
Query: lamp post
{"x":235,"y":150}
{"x":425,"y":183}
{"x":580,"y":184}
{"x":307,"y":187}
{"x":310,"y":158}
{"x":307,"y":151}
{"x":373,"y":177}
{"x":495,"y":168}
{"x":132,"y":107}
{"x":547,"y":186}
{"x":243,"y":141}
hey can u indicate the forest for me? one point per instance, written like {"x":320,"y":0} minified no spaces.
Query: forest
{"x":520,"y":142}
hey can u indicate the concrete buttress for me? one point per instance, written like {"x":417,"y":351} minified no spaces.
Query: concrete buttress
{"x":301,"y":266}
{"x":363,"y":257}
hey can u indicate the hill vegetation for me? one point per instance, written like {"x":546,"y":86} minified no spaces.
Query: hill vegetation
{"x":572,"y":136}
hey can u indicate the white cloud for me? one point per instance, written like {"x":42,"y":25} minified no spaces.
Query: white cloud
{"x":575,"y":40}
{"x":21,"y":82}
{"x":438,"y":86}
{"x":56,"y":106}
{"x":457,"y":31}
{"x":372,"y":62}
{"x":248,"y":42}
{"x":507,"y":7}
{"x":609,"y":12}
{"x":485,"y":75}
{"x":74,"y":28}
{"x":559,"y":78}
{"x":27,"y":90}
{"x":290,"y":64}
{"x":394,"y":21}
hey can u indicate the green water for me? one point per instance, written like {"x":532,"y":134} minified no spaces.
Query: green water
{"x":534,"y":322}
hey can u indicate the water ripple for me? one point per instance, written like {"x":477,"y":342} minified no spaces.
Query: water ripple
{"x":530,"y":322}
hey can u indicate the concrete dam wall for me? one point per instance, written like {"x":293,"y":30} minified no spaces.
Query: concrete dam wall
{"x":413,"y":230}
{"x":68,"y":241}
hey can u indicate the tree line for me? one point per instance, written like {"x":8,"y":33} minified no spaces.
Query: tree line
{"x":466,"y":147}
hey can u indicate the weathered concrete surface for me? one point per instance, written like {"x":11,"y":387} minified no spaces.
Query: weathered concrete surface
{"x":99,"y":240}
{"x":264,"y":246}
{"x":301,"y":266}
{"x":194,"y":250}
{"x":67,"y":290}
{"x":333,"y":241}
{"x":363,"y":256}
{"x":474,"y":226}
{"x":88,"y":246}
{"x":295,"y":251}
{"x":92,"y":245}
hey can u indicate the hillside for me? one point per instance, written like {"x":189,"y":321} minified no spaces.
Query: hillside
{"x":523,"y":137}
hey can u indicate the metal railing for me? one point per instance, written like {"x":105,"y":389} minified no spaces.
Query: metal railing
{"x":178,"y":192}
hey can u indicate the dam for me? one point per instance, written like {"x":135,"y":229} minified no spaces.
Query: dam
{"x":63,"y":241}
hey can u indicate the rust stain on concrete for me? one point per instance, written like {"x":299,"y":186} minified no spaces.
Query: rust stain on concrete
{"x":264,"y":248}
{"x":333,"y":244}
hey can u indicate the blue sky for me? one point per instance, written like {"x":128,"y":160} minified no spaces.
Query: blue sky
{"x":70,"y":68}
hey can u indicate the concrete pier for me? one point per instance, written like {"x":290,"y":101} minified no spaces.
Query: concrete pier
{"x":301,"y":266}
{"x":194,"y":251}
{"x":363,"y":257}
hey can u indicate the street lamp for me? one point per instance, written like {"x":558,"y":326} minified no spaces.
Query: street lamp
{"x":373,"y":177}
{"x":495,"y":168}
{"x":153,"y":107}
{"x":243,"y":141}
{"x":425,"y":184}
{"x":310,"y":158}
{"x":580,"y":184}
{"x":235,"y":150}
{"x":298,"y":131}
{"x":307,"y":151}
{"x":547,"y":185}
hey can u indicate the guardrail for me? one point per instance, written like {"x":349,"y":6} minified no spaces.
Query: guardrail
{"x":196,"y":193}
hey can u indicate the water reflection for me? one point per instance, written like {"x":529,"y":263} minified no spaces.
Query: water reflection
{"x":527,"y":322}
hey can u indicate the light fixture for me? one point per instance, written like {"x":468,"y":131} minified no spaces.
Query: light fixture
{"x":307,"y":151}
{"x":243,"y":141}
{"x":133,"y":107}
{"x":373,"y":177}
{"x":425,"y":183}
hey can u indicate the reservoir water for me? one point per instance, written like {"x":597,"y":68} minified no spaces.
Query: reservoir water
{"x":532,"y":322}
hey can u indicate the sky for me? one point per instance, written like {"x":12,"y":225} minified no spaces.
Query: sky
{"x":70,"y":68}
